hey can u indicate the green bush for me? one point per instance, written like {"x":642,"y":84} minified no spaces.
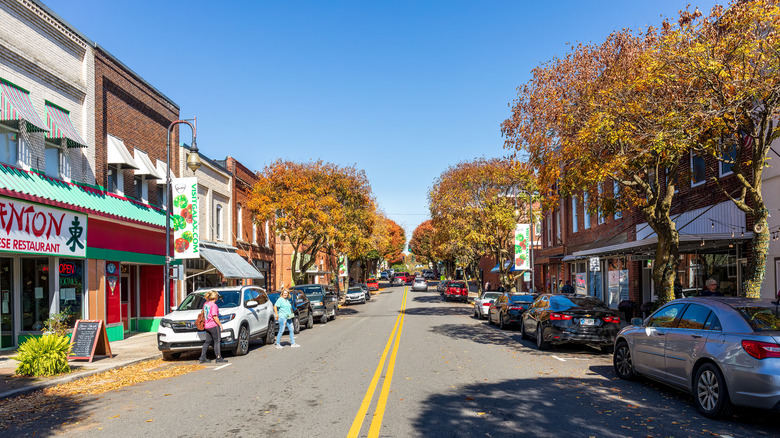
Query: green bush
{"x":43,"y":356}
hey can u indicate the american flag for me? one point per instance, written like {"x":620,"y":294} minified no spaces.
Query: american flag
{"x":747,"y":139}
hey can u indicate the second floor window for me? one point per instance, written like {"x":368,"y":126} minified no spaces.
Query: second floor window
{"x":585,"y":213}
{"x":698,"y":169}
{"x":112,"y":178}
{"x":53,"y":158}
{"x":239,"y":218}
{"x":218,"y":222}
{"x":9,"y":145}
{"x":730,"y":156}
{"x":254,"y":232}
{"x":616,"y":194}
{"x":267,"y":235}
{"x":162,"y":194}
{"x":574,"y":215}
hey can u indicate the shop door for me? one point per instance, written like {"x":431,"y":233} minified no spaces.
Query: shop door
{"x":6,"y":303}
{"x":124,"y":290}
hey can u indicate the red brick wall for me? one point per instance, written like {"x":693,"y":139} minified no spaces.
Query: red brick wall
{"x":127,"y":108}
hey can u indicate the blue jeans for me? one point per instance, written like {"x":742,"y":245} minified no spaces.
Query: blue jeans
{"x":290,"y":329}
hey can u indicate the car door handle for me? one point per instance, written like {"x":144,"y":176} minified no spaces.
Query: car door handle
{"x":696,"y":336}
{"x":660,"y":333}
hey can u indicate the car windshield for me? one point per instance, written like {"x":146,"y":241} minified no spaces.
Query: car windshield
{"x":420,"y":280}
{"x":457,"y":284}
{"x":562,"y":302}
{"x":309,"y":289}
{"x":314,"y":297}
{"x":227,"y":299}
{"x":521,"y":298}
{"x":354,"y":290}
{"x":491,"y":296}
{"x":761,"y":318}
{"x":372,"y":280}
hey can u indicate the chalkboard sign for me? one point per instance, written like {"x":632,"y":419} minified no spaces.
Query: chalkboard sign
{"x":89,"y":338}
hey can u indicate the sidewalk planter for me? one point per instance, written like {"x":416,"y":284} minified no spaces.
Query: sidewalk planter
{"x":648,"y":308}
{"x":43,"y":356}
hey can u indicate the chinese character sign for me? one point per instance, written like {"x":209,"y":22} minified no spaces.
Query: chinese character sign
{"x":185,"y":217}
{"x":522,"y":246}
{"x":37,"y":229}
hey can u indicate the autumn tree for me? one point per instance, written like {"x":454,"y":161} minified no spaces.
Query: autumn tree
{"x":315,"y":206}
{"x":422,"y":243}
{"x":730,"y":58}
{"x":606,"y":120}
{"x":475,"y":201}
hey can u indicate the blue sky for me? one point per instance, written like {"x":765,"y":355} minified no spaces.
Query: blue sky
{"x":402,"y":89}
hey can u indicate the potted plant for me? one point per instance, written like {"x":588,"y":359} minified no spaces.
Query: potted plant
{"x":648,"y":308}
{"x":627,"y":307}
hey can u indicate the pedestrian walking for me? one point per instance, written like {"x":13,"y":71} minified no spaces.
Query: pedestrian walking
{"x":212,"y":326}
{"x":284,"y":314}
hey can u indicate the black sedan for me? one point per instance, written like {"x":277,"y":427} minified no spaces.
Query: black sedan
{"x":508,"y":309}
{"x":301,"y":307}
{"x":324,"y":300}
{"x":560,"y":319}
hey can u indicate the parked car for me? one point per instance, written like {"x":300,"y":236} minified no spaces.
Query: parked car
{"x":383,"y":275}
{"x":398,"y":279}
{"x":366,"y":290}
{"x":324,"y":300}
{"x":301,"y":308}
{"x":559,"y":319}
{"x":482,"y":304}
{"x":427,"y":273}
{"x":442,"y":286}
{"x":372,"y":283}
{"x":508,"y":309}
{"x":355,"y":294}
{"x":456,"y":291}
{"x":246,"y":313}
{"x":725,"y":351}
{"x":420,"y":284}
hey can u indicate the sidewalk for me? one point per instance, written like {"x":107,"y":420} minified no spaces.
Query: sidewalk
{"x":136,"y":348}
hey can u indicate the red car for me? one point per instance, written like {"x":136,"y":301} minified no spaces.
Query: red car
{"x":456,"y":291}
{"x":372,"y":284}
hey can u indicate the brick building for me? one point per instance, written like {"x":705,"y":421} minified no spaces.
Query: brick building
{"x":320,"y":273}
{"x":254,"y":240}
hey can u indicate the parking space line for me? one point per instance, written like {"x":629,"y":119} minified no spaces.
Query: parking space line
{"x":223,"y":366}
{"x":556,"y":357}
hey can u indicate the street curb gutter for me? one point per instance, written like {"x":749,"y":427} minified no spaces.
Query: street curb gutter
{"x":70,"y":378}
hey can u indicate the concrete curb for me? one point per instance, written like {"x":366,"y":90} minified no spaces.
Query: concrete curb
{"x":71,"y":378}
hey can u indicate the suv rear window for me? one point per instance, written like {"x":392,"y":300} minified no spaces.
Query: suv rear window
{"x":457,"y":284}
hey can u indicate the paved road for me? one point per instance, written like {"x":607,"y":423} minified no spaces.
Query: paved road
{"x":448,"y":375}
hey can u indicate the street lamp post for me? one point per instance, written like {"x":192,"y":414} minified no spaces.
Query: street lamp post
{"x":533,"y":232}
{"x":193,"y":162}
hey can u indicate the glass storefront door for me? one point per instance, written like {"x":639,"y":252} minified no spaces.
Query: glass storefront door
{"x":35,"y":293}
{"x":6,"y":303}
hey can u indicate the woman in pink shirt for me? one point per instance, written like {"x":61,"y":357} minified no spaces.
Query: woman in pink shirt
{"x":213,"y":327}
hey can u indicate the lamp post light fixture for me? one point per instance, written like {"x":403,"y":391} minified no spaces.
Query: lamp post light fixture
{"x":193,"y":163}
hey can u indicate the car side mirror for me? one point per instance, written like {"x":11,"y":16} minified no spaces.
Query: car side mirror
{"x":252,"y":303}
{"x":636,"y":321}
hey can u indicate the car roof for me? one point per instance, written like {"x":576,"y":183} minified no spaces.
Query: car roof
{"x":227,"y":288}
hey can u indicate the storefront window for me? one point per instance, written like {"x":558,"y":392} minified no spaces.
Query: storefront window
{"x":35,"y":293}
{"x":9,"y":145}
{"x":72,"y":288}
{"x":7,"y":303}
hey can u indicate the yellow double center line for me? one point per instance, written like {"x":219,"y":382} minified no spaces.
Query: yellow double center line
{"x":379,"y":412}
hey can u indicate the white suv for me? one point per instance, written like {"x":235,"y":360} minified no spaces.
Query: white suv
{"x":245,"y":312}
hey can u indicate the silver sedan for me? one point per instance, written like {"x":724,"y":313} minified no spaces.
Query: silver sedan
{"x":723,"y":350}
{"x":482,"y":304}
{"x":420,"y":284}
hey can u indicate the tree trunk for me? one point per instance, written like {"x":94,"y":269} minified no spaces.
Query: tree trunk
{"x":756,"y":270}
{"x":666,"y":260}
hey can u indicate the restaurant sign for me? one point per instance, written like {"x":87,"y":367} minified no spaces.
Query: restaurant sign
{"x":37,"y":229}
{"x":185,"y":217}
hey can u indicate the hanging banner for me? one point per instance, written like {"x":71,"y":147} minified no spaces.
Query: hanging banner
{"x":185,"y":217}
{"x":35,"y":229}
{"x":342,"y":266}
{"x":522,"y":247}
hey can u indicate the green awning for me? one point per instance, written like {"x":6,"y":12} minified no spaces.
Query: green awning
{"x":36,"y":187}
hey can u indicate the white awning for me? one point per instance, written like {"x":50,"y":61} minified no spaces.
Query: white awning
{"x":228,"y":262}
{"x":162,"y":169}
{"x":688,"y":242}
{"x":118,"y":153}
{"x":145,"y":166}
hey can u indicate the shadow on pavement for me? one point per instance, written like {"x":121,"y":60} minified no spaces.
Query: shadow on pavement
{"x":428,"y":299}
{"x":40,"y":414}
{"x":347,"y":311}
{"x":437,"y":311}
{"x":572,"y":407}
{"x":481,"y":334}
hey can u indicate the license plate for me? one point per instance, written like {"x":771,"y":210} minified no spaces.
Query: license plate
{"x":587,"y":321}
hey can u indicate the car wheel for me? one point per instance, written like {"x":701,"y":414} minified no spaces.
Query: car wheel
{"x":270,"y":336}
{"x":310,"y":320}
{"x":476,"y":313}
{"x":540,"y":343}
{"x":489,"y":318}
{"x":333,"y":314}
{"x":623,"y":362}
{"x":710,"y":394}
{"x":324,"y":319}
{"x":296,"y":325}
{"x":523,"y":335}
{"x":170,"y":356}
{"x":243,"y":341}
{"x":501,"y":322}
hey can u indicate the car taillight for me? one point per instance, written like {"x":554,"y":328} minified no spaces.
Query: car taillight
{"x":486,"y":304}
{"x":761,"y":350}
{"x":559,"y":316}
{"x":614,"y":319}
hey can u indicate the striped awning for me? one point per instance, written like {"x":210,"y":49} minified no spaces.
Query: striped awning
{"x":15,"y":105}
{"x":60,"y":126}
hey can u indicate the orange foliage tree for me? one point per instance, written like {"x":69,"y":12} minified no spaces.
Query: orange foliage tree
{"x":423,"y":243}
{"x":316,"y":206}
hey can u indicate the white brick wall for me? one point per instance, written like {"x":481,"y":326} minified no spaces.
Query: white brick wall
{"x":43,"y":56}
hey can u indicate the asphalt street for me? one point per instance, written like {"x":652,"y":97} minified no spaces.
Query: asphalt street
{"x":447,"y":375}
